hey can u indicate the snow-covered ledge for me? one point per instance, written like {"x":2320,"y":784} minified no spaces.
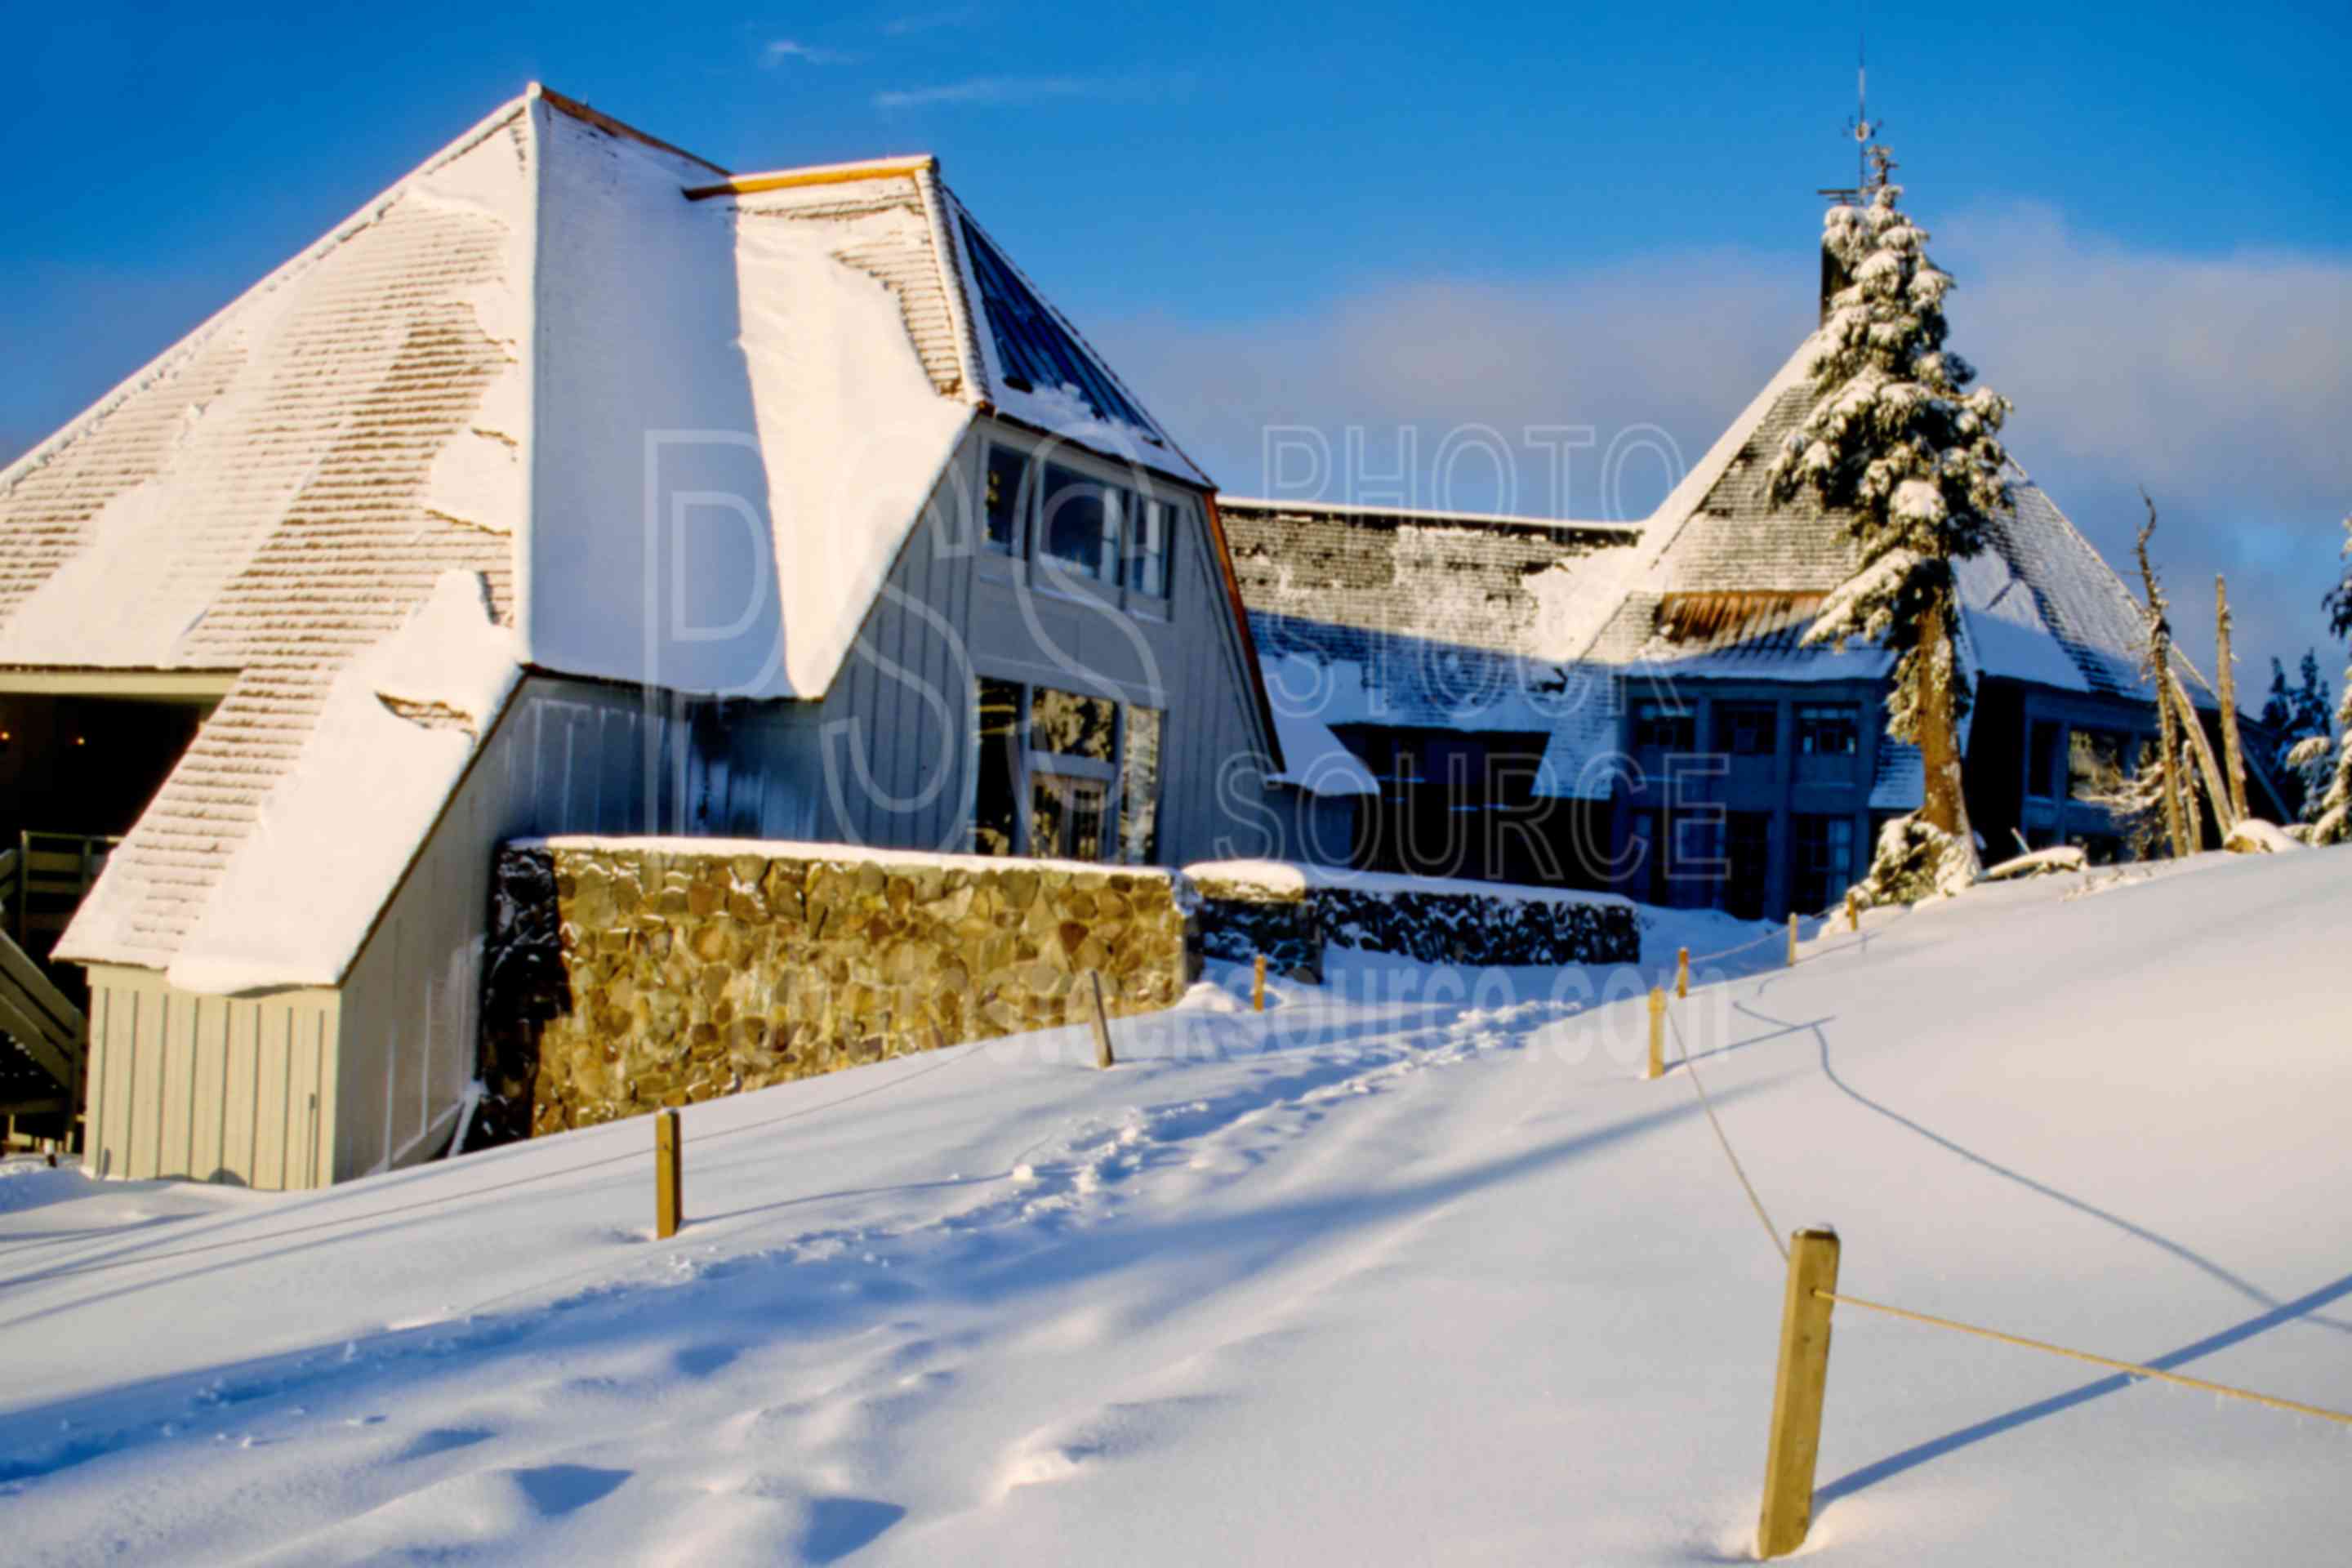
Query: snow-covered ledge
{"x":1288,"y":912}
{"x":624,"y":975}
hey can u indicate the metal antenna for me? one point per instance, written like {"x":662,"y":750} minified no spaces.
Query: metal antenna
{"x":1862,"y":127}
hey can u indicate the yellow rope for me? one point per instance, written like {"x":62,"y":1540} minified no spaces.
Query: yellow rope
{"x":2132,"y":1368}
{"x":1682,"y":1048}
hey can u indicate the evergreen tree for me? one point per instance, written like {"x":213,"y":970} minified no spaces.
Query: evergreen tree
{"x":2334,"y":821}
{"x":2301,"y":719}
{"x":1898,"y":440}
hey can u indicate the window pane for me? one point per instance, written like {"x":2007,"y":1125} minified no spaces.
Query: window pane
{"x":1071,"y":725}
{"x":2041,"y":765}
{"x":1007,"y":469}
{"x":1139,"y":789}
{"x":1080,"y":525}
{"x":1827,"y":732}
{"x":996,"y":804}
{"x":1147,"y":558}
{"x":2095,"y":762}
{"x":1660,"y":727}
{"x":1065,"y":817}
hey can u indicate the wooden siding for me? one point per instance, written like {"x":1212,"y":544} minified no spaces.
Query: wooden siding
{"x":228,"y":1089}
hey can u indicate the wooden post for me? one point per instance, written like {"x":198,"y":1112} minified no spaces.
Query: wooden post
{"x":1657,"y":1033}
{"x":1798,"y":1390}
{"x":1792,"y":939}
{"x":1103,"y":1057}
{"x":1257,"y":987}
{"x":1853,"y":911}
{"x":1682,"y":971}
{"x":669,"y":1175}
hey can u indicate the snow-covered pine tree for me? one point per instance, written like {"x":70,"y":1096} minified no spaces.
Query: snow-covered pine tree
{"x":2334,"y":824}
{"x":1897,"y":439}
{"x":2304,"y":719}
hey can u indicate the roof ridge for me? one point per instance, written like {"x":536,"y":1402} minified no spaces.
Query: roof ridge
{"x":1434,"y":515}
{"x":911,"y":165}
{"x":610,"y":126}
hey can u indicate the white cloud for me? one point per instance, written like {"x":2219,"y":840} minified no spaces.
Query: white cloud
{"x":996,"y":91}
{"x":2221,"y":381}
{"x":783,"y":49}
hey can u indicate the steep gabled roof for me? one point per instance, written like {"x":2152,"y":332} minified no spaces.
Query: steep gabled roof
{"x":504,"y":386}
{"x":2038,"y":605}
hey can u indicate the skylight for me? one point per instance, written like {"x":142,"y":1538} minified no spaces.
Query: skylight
{"x":1034,"y":350}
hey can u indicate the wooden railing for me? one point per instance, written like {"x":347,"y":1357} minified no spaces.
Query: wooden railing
{"x":51,"y":874}
{"x":45,"y":1030}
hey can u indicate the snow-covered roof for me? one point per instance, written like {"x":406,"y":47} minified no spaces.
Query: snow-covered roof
{"x":2039,"y":605}
{"x":518,"y":365}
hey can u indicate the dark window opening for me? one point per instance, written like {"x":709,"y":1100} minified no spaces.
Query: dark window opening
{"x":2041,"y":760}
{"x":1662,"y":727}
{"x":997,"y":805}
{"x":1748,"y":850}
{"x":1007,"y":499}
{"x":1747,"y":729}
{"x":1824,"y":863}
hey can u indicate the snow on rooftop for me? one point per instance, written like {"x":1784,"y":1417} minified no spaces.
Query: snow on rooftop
{"x":681,"y":441}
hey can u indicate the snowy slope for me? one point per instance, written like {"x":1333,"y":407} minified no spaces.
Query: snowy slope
{"x":1411,"y":1269}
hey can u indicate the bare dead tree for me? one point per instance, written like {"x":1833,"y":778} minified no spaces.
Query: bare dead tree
{"x":2159,"y":664}
{"x":2226,"y":676}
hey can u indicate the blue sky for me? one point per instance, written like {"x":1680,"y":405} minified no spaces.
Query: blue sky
{"x":1395,"y":216}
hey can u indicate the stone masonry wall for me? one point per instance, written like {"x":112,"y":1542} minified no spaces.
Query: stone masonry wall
{"x":623,"y":976}
{"x":1290,"y":913}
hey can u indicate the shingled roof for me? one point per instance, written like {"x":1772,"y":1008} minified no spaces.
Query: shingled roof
{"x":451,"y":398}
{"x":2038,"y":605}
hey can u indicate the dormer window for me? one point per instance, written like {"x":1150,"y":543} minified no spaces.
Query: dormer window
{"x":1079,"y":528}
{"x":1007,"y":499}
{"x":1146,"y":547}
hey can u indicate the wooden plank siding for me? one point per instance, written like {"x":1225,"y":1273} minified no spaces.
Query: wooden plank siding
{"x":214,"y":1088}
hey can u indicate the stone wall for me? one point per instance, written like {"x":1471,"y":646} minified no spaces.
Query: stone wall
{"x":626,"y":975}
{"x":1290,"y":912}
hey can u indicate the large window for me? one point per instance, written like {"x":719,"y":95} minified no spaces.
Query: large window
{"x":1662,"y":727}
{"x":1079,"y":528}
{"x":1065,"y":774}
{"x":1825,"y":866}
{"x":2094,"y":764}
{"x":1008,"y":499}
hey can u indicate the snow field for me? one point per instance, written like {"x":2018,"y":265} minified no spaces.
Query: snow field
{"x":1410,"y":1267}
